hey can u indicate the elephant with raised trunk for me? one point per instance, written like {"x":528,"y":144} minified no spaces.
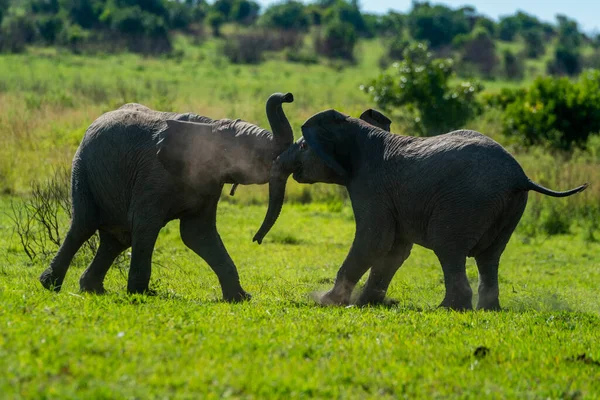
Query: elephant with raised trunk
{"x":137,"y":169}
{"x":460,"y":194}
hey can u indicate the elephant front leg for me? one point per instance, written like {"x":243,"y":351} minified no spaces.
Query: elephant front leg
{"x":355,"y":265}
{"x":205,"y":241}
{"x":373,"y":240}
{"x":382,"y":272}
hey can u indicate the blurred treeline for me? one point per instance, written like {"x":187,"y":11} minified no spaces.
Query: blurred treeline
{"x":327,"y":28}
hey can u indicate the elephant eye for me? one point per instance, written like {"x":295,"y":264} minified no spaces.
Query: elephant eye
{"x":303,"y":146}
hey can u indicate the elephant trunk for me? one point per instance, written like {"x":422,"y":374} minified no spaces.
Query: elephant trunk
{"x":280,"y":172}
{"x":280,"y":126}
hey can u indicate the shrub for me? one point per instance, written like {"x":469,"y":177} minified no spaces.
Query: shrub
{"x":566,"y":61}
{"x":556,"y":111}
{"x":592,"y":60}
{"x":347,"y":12}
{"x":513,"y":66}
{"x":16,"y":31}
{"x":291,"y":15}
{"x":215,"y":19}
{"x":395,"y":51}
{"x":396,"y":48}
{"x":39,"y":220}
{"x":248,"y":48}
{"x":49,"y":27}
{"x":337,"y":41}
{"x":436,"y":24}
{"x":421,"y":85}
{"x":534,"y":43}
{"x":73,"y":36}
{"x":480,"y":51}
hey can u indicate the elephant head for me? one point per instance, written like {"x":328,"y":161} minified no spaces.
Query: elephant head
{"x":323,"y":154}
{"x":226,"y":151}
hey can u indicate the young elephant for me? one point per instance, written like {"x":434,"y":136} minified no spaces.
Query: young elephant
{"x":459,"y":194}
{"x":124,"y":190}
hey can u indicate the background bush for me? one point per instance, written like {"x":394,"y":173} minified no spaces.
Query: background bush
{"x":249,"y":47}
{"x":421,"y":86}
{"x":337,"y":40}
{"x":555,"y":111}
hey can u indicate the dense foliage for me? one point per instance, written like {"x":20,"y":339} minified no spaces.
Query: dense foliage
{"x":554,"y":111}
{"x":421,"y":85}
{"x":146,"y":26}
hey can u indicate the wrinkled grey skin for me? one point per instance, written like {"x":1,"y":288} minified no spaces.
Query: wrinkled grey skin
{"x":459,"y":194}
{"x":125,"y":190}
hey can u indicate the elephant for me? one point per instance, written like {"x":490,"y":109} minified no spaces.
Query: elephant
{"x":137,"y":169}
{"x":460,"y":194}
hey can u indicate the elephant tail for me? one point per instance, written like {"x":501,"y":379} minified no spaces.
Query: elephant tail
{"x":540,"y":189}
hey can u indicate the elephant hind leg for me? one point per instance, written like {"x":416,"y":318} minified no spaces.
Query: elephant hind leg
{"x":52,"y":278}
{"x":200,"y":235}
{"x":143,"y":239}
{"x":459,"y":295}
{"x":488,"y":260}
{"x":488,"y":290}
{"x":382,"y":272}
{"x":83,"y":225}
{"x":92,"y":279}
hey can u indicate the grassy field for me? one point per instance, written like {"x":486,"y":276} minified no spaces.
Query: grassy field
{"x":185,"y":343}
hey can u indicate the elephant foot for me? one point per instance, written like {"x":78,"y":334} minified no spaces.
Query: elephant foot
{"x":94,"y":289}
{"x":140,"y":290}
{"x":489,"y":306}
{"x":385,"y":302}
{"x":453,"y":304}
{"x":375,"y":297}
{"x":50,"y":281}
{"x":89,"y":284}
{"x":330,"y":299}
{"x":238,"y":297}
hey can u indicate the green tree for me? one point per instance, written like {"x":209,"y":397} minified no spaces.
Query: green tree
{"x":513,"y":66}
{"x":421,"y":86}
{"x":534,"y":43}
{"x":556,"y":111}
{"x":512,"y":25}
{"x":568,"y":32}
{"x":85,"y":13}
{"x":215,"y":19}
{"x":566,"y":61}
{"x":338,"y":40}
{"x":479,"y":50}
{"x":244,"y":12}
{"x":347,"y":12}
{"x":438,"y":25}
{"x":487,"y":24}
{"x":390,"y":24}
{"x":291,"y":15}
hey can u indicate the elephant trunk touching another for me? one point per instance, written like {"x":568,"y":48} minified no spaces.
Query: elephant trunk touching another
{"x":460,"y":194}
{"x":287,"y":163}
{"x":137,"y":169}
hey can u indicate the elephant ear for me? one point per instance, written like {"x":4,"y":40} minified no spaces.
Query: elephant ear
{"x":377,"y":119}
{"x":185,"y":150}
{"x":328,"y":135}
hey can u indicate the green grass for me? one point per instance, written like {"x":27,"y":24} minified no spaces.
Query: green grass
{"x":184,"y":343}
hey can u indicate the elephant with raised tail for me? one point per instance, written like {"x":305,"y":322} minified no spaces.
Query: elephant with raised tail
{"x":460,"y":194}
{"x":137,"y":169}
